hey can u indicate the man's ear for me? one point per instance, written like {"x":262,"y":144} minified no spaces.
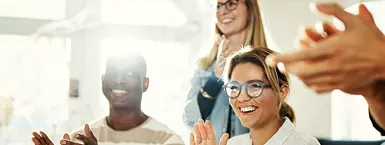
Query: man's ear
{"x":146,"y":84}
{"x":284,"y":92}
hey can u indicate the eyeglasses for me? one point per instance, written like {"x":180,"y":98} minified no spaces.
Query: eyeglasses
{"x":230,"y":5}
{"x":253,"y":88}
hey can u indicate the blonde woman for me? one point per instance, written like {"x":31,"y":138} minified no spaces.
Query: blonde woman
{"x":257,"y":94}
{"x":238,"y":23}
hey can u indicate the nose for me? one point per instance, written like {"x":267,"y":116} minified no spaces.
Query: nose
{"x":243,"y":97}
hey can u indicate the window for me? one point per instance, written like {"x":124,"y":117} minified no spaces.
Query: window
{"x":35,"y":74}
{"x":38,"y":9}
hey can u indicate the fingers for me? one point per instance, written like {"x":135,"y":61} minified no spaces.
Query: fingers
{"x":68,"y":142}
{"x":224,"y":139}
{"x":202,"y":130}
{"x":192,"y":141}
{"x":36,"y":141}
{"x":89,"y":133}
{"x":218,"y":40}
{"x":336,"y":10}
{"x":365,"y":14}
{"x":83,"y":138}
{"x":329,"y":29}
{"x":308,"y":37}
{"x":39,"y":139}
{"x":209,"y":130}
{"x":66,"y":136}
{"x":37,"y":136}
{"x":323,"y":88}
{"x":223,"y":45}
{"x":318,"y":68}
{"x":46,"y":138}
{"x":197,"y":134}
{"x":312,"y":34}
{"x":323,"y":49}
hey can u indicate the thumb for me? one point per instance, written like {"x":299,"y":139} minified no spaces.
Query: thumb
{"x":66,"y":136}
{"x":224,"y":139}
{"x":365,"y":14}
{"x":192,"y":141}
{"x":336,"y":10}
{"x":89,"y":133}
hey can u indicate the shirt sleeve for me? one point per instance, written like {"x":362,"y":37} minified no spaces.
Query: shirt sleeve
{"x":212,"y":87}
{"x":197,"y":106}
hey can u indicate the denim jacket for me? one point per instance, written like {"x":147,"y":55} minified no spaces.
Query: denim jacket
{"x":221,"y":109}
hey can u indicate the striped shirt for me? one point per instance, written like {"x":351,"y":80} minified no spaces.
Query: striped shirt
{"x":149,"y":132}
{"x":286,"y":135}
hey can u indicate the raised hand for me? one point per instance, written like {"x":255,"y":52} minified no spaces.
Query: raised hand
{"x":87,"y":139}
{"x":41,"y":139}
{"x":204,"y":135}
{"x":224,"y":50}
{"x":349,"y":60}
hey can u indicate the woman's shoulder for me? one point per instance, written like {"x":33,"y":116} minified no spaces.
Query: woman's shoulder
{"x":239,"y":139}
{"x":299,"y":136}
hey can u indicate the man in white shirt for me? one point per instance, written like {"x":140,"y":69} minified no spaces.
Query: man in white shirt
{"x":123,"y":84}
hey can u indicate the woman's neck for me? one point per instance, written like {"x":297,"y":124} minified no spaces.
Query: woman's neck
{"x":236,"y":39}
{"x":260,"y":135}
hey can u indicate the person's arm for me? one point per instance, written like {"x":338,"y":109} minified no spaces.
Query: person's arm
{"x":205,"y":86}
{"x":376,"y":103}
{"x":375,"y":125}
{"x":207,"y":95}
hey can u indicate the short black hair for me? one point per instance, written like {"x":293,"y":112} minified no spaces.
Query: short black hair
{"x":133,"y":60}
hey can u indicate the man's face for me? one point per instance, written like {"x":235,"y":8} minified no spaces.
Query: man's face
{"x":123,"y":86}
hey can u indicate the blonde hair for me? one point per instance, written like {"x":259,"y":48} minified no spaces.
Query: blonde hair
{"x":255,"y":33}
{"x":276,"y":78}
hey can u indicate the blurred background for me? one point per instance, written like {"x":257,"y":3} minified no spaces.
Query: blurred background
{"x":53,"y":52}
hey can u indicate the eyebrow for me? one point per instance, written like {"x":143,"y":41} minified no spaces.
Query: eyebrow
{"x":225,"y":2}
{"x":254,"y":81}
{"x":249,"y":81}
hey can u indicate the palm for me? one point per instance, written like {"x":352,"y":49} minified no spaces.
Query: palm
{"x":204,"y":135}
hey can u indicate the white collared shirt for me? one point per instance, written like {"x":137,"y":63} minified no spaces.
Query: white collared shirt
{"x":286,"y":135}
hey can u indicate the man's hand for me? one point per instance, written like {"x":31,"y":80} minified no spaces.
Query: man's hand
{"x":41,"y":139}
{"x":350,"y":60}
{"x":88,"y":138}
{"x":204,"y":135}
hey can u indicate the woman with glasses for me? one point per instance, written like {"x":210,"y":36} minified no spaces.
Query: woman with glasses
{"x":238,"y":24}
{"x":257,"y":94}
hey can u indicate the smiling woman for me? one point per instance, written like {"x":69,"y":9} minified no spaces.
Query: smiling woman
{"x":257,"y":93}
{"x":260,"y":101}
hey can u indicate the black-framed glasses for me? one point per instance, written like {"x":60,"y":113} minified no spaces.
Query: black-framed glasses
{"x":253,"y":88}
{"x":230,"y":5}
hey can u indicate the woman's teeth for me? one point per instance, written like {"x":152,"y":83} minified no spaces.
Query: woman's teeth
{"x":248,"y":109}
{"x":227,"y":20}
